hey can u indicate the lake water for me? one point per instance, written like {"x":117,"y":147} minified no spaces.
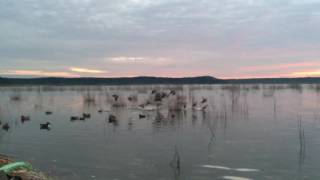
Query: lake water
{"x":247,"y":132}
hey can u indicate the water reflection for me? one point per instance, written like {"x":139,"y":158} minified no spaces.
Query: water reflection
{"x":163,"y":132}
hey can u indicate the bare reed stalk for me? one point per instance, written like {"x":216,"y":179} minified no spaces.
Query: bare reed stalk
{"x":302,"y":144}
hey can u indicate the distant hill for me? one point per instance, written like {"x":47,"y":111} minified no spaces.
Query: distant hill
{"x":306,"y":80}
{"x":109,"y":81}
{"x":151,"y":80}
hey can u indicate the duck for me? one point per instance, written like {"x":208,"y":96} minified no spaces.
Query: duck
{"x":24,"y":118}
{"x":132,"y":98}
{"x":204,"y":100}
{"x":48,"y":112}
{"x":45,"y":126}
{"x":158,"y":97}
{"x":86,"y":115}
{"x":141,"y":116}
{"x":172,"y":92}
{"x":204,"y":107}
{"x":194,"y":105}
{"x":112,"y":119}
{"x":6,"y":127}
{"x":116,"y":97}
{"x":74,"y":118}
{"x":164,"y":95}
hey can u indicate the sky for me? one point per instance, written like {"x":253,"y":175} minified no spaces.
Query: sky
{"x":168,"y":38}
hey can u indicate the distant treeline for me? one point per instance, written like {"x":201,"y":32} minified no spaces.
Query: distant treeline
{"x":306,"y":80}
{"x":151,"y":80}
{"x":109,"y":81}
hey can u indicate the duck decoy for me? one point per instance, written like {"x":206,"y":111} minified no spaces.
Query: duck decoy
{"x":112,"y":119}
{"x":48,"y":113}
{"x":45,"y":126}
{"x":153,"y":91}
{"x":82,"y":118}
{"x":6,"y":127}
{"x":116,"y":97}
{"x":141,"y":116}
{"x":100,"y":111}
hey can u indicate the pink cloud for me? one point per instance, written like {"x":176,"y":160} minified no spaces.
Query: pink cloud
{"x":280,"y":66}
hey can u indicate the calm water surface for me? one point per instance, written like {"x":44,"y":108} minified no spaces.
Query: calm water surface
{"x":248,"y":132}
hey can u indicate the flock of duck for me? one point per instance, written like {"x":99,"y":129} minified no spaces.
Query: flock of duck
{"x":156,"y":101}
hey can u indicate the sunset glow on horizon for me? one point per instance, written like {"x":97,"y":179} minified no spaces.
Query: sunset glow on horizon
{"x":177,"y":38}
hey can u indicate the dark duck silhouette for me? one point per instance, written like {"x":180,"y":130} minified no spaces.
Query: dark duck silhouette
{"x":74,"y":118}
{"x":204,"y":100}
{"x":6,"y":127}
{"x":204,"y":107}
{"x":194,"y":104}
{"x":141,"y":105}
{"x":116,"y":97}
{"x":86,"y":115}
{"x":24,"y":118}
{"x":164,"y":95}
{"x":48,"y":113}
{"x":141,"y":116}
{"x":158,"y":97}
{"x":172,"y":92}
{"x":112,"y":119}
{"x":45,"y":126}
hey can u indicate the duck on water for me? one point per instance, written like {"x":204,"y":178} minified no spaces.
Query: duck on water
{"x":45,"y":126}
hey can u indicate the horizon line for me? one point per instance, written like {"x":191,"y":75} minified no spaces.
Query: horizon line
{"x":128,"y":77}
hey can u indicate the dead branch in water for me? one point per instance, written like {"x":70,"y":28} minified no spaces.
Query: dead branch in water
{"x":176,"y":163}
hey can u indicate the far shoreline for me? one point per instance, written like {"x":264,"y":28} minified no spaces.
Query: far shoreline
{"x":200,"y":80}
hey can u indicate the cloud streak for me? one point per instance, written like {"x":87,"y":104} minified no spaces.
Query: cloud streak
{"x":38,"y":73}
{"x":86,"y":71}
{"x":150,"y":61}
